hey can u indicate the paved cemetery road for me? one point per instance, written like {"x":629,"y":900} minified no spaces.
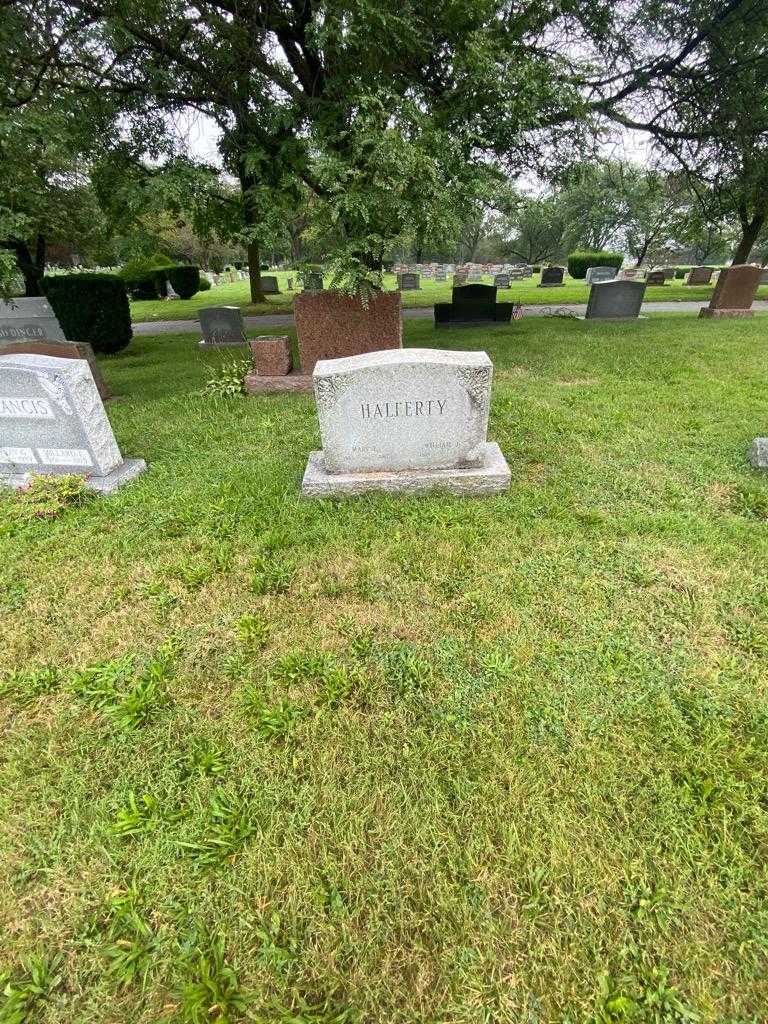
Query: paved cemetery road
{"x":419,"y":313}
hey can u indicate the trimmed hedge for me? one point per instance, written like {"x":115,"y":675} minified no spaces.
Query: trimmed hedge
{"x":91,"y":308}
{"x":184,"y":279}
{"x":145,"y":278}
{"x":205,"y":285}
{"x":580,"y":262}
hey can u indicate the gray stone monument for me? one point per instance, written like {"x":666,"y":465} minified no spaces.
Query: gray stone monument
{"x":52,"y":421}
{"x":615,"y":300}
{"x":405,"y":420}
{"x":656,"y":278}
{"x":407,"y":282}
{"x":699,"y":275}
{"x":269,"y":285}
{"x":501,"y":280}
{"x":221,"y":325}
{"x":29,"y":320}
{"x":595,"y":274}
{"x":440,"y":276}
{"x":758,"y":453}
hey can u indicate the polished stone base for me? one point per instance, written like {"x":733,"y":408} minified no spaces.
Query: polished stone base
{"x":130,"y":469}
{"x":492,"y":477}
{"x":758,"y":453}
{"x":706,"y":312}
{"x":256,"y":384}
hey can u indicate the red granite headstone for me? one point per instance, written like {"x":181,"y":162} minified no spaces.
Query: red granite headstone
{"x":271,"y":355}
{"x":60,"y":350}
{"x":734,"y":292}
{"x":331,"y":325}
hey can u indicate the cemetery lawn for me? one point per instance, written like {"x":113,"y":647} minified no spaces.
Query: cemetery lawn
{"x":400,"y":760}
{"x":525,"y":292}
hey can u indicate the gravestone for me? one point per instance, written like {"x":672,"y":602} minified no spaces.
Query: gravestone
{"x":516,"y":274}
{"x":656,"y":278}
{"x":475,"y":276}
{"x":596,"y":274}
{"x":408,"y":282}
{"x":501,"y":280}
{"x":668,"y":272}
{"x":440,"y":276}
{"x":221,"y":325}
{"x":459,"y":279}
{"x":408,"y":420}
{"x":472,"y":304}
{"x":60,"y":350}
{"x":615,"y":300}
{"x":53,"y":421}
{"x":332,"y":325}
{"x":551,"y":277}
{"x":269,"y":285}
{"x":758,"y":453}
{"x":734,"y":292}
{"x":698,"y":275}
{"x":271,"y":355}
{"x":29,"y":320}
{"x":764,"y":275}
{"x":631,"y":274}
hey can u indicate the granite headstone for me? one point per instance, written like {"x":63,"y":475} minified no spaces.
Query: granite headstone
{"x":656,"y":278}
{"x":405,"y":420}
{"x":551,"y":277}
{"x":615,"y":300}
{"x":269,"y":285}
{"x":407,"y":282}
{"x":53,"y":422}
{"x":596,"y":274}
{"x":698,"y":275}
{"x":221,"y":325}
{"x":734,"y":292}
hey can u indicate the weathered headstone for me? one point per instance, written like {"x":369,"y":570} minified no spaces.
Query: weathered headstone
{"x":475,"y":276}
{"x":221,"y":325}
{"x":656,"y":278}
{"x":698,"y":275}
{"x":440,"y":276}
{"x":668,"y":272}
{"x":596,"y":274}
{"x":551,"y":277}
{"x":615,"y":300}
{"x":271,"y":355}
{"x":501,"y":280}
{"x":53,"y":421}
{"x":758,"y":453}
{"x":269,"y":285}
{"x":407,"y":282}
{"x":734,"y":292}
{"x":459,"y":279}
{"x":408,"y":420}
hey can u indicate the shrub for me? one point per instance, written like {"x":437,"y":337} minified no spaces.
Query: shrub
{"x":146,"y":277}
{"x":91,"y":308}
{"x":536,"y":268}
{"x":205,"y":285}
{"x":185,"y":280}
{"x":580,"y":262}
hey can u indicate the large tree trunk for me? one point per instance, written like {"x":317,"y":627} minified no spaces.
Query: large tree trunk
{"x":749,"y":232}
{"x":31,"y":269}
{"x":253,"y":250}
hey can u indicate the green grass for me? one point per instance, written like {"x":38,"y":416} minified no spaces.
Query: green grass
{"x":399,"y":760}
{"x":527,"y":292}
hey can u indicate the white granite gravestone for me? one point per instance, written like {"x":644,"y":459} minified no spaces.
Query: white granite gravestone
{"x":29,"y":320}
{"x":598,"y":274}
{"x":405,"y":420}
{"x":52,"y":421}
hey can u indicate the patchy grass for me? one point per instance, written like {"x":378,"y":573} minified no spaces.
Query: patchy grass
{"x":526,"y":292}
{"x":399,"y":760}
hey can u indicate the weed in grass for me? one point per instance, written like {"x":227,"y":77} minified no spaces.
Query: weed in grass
{"x":227,"y":380}
{"x":305,"y":1011}
{"x":22,"y":993}
{"x":205,"y":760}
{"x":108,"y":687}
{"x":271,"y":721}
{"x":160,"y":595}
{"x":213,"y":991}
{"x":98,"y":684}
{"x":231,"y":824}
{"x":277,"y":951}
{"x":13,"y":595}
{"x":43,"y":498}
{"x":27,"y":685}
{"x":271,"y":575}
{"x":405,"y":669}
{"x":332,"y":680}
{"x":750,"y":500}
{"x":130,"y":942}
{"x":253,"y":632}
{"x":139,"y":815}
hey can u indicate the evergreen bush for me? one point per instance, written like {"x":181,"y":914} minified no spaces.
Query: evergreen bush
{"x":184,"y":279}
{"x":580,"y":262}
{"x":91,"y":308}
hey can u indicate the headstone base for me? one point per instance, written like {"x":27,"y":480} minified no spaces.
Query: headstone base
{"x":255,"y":384}
{"x":758,"y":453}
{"x":612,"y":319}
{"x":706,"y":312}
{"x":558,"y":284}
{"x":492,"y":477}
{"x":129,"y":470}
{"x":223,"y":344}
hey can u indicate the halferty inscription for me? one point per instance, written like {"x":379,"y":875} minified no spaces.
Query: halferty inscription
{"x":407,"y":408}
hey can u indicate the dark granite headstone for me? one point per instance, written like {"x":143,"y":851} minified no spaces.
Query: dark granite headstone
{"x":440,"y":276}
{"x":408,"y":282}
{"x":269,"y":285}
{"x":501,"y":280}
{"x":615,"y":300}
{"x":221,"y":325}
{"x":472,"y":304}
{"x":551,"y":277}
{"x":656,"y":277}
{"x":734,"y":292}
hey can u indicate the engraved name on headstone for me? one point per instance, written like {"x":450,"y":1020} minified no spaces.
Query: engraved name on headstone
{"x":52,"y":421}
{"x":405,"y":420}
{"x":29,"y":320}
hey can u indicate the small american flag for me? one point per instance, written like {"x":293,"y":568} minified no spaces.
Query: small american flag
{"x":517,"y":311}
